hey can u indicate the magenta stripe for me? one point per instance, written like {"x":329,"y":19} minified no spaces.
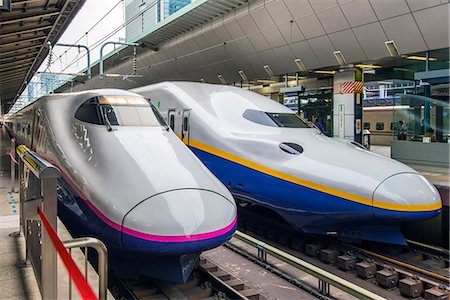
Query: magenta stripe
{"x":138,"y":234}
{"x":181,"y":238}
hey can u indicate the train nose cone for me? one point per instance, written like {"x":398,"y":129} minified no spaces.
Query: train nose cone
{"x":406,"y":197}
{"x":198,"y":219}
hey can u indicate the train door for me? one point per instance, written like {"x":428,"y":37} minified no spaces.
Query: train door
{"x":185,"y":117}
{"x":171,"y":118}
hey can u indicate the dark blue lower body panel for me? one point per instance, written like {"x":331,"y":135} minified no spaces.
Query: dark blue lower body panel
{"x":173,"y":261}
{"x":309,"y":210}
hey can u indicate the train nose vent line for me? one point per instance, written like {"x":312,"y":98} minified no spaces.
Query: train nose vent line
{"x":38,"y":205}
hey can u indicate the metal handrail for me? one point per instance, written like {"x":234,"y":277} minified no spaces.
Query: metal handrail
{"x":322,"y":275}
{"x":102,"y":251}
{"x":40,"y":168}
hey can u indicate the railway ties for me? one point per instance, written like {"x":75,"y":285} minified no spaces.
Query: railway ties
{"x":208,"y":281}
{"x":392,"y":272}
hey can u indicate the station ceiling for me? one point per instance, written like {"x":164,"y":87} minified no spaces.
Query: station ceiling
{"x":275,"y":33}
{"x":24,"y":35}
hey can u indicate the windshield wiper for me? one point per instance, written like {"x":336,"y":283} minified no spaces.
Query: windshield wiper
{"x":107,"y":122}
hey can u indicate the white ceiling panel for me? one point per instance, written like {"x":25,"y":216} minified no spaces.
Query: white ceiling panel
{"x":262,"y":18}
{"x":242,"y":10}
{"x":287,"y":58}
{"x":256,"y":4}
{"x":233,"y":50}
{"x":244,"y":45}
{"x":321,"y":5}
{"x":403,"y":30}
{"x":389,"y":8}
{"x":333,"y":20}
{"x":415,"y":5}
{"x":269,"y":58}
{"x":323,"y":49}
{"x":358,"y":12}
{"x":346,"y":42}
{"x":279,"y":12}
{"x":234,"y":29}
{"x":274,"y":37}
{"x":299,"y":8}
{"x":303,"y":51}
{"x":434,"y":25}
{"x":259,"y":42}
{"x":247,"y":24}
{"x":222,"y":34}
{"x":311,"y":27}
{"x":372,"y":38}
{"x":257,"y":64}
{"x":291,"y":32}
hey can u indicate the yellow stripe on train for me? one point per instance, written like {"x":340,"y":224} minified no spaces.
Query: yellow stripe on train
{"x":313,"y":185}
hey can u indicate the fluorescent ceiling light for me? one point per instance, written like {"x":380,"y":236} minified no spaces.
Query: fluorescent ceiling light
{"x":415,"y":57}
{"x":325,"y":72}
{"x":385,"y":82}
{"x":269,"y":70}
{"x":340,"y":58}
{"x":266,"y":81}
{"x":221,"y":79}
{"x":300,"y":65}
{"x":362,"y":66}
{"x":243,"y":76}
{"x":392,"y":48}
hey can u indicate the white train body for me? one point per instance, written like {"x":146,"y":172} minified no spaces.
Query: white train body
{"x":265,"y":155}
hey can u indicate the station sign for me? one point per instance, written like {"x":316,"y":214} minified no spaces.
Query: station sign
{"x":5,"y":5}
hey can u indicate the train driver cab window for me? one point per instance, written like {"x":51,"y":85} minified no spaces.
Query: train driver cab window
{"x":366,"y":125}
{"x":380,"y":126}
{"x":275,"y":119}
{"x":117,"y":111}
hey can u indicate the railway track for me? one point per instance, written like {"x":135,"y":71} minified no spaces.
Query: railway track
{"x":390,"y":271}
{"x":208,"y":281}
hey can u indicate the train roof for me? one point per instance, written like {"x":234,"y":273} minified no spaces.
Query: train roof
{"x":213,"y":96}
{"x":73,"y":96}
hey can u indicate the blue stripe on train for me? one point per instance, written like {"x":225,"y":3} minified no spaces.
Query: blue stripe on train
{"x":288,"y":198}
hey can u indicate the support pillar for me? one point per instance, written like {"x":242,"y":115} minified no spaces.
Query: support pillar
{"x":347,"y":104}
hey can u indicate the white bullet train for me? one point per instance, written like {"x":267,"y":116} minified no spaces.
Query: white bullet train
{"x":128,"y":180}
{"x":268,"y":156}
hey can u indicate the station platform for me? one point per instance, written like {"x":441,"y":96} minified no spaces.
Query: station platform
{"x":17,"y":279}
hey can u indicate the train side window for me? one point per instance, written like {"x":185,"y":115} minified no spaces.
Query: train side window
{"x":185,"y":124}
{"x":88,"y":112}
{"x":380,"y":126}
{"x":172,"y":122}
{"x":29,"y":129}
{"x":366,"y":125}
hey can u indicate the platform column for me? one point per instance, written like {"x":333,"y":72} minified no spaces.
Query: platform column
{"x":347,"y":104}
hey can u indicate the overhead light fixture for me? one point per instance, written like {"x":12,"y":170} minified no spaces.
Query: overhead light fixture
{"x":392,"y":48}
{"x":269,"y":70}
{"x":362,"y":66}
{"x":300,"y":65}
{"x":221,"y":79}
{"x":415,"y":57}
{"x":243,"y":76}
{"x":340,"y":58}
{"x":385,"y":82}
{"x":403,"y":70}
{"x":325,"y":72}
{"x":266,"y":81}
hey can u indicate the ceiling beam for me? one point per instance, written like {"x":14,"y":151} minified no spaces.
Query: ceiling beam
{"x":23,"y":41}
{"x":5,"y":70}
{"x":36,"y":16}
{"x":3,"y":65}
{"x":25,"y":55}
{"x":24,"y":31}
{"x":19,"y":50}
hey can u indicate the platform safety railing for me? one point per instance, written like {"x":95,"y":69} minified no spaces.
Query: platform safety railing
{"x":38,"y":206}
{"x":325,"y":279}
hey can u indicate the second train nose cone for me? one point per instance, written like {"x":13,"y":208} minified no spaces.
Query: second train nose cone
{"x":406,"y":197}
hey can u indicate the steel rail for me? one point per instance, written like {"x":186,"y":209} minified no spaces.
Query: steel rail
{"x":323,"y":275}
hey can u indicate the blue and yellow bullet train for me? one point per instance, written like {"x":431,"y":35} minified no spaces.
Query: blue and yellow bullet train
{"x":128,"y":180}
{"x":268,"y":156}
